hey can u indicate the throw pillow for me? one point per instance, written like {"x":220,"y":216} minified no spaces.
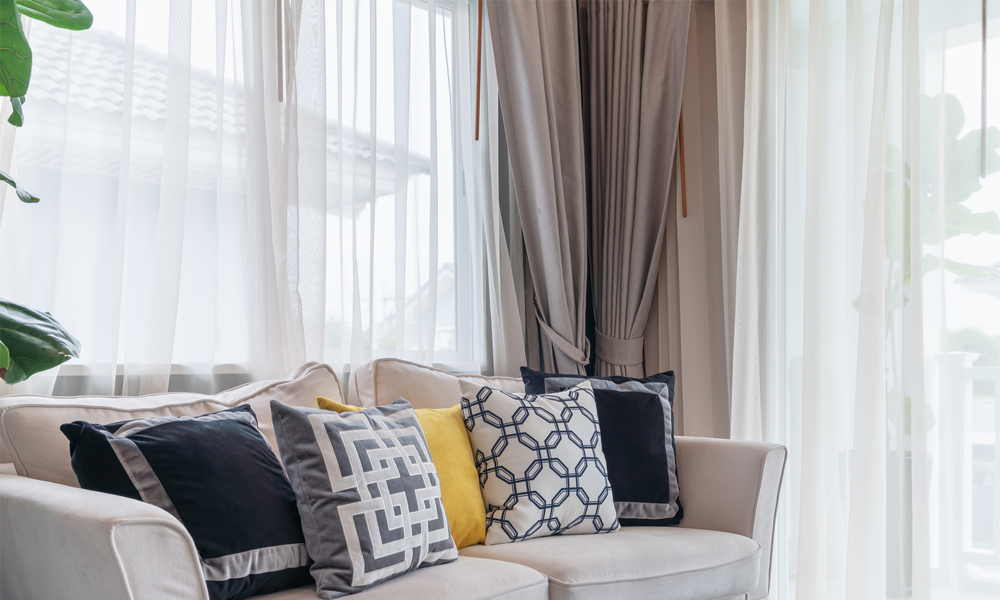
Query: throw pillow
{"x":540,"y":462}
{"x":637,"y":418}
{"x":218,"y":476}
{"x":449,"y":446}
{"x":368,"y":494}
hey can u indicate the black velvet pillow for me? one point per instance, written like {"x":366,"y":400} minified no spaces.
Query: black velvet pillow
{"x":637,"y":431}
{"x":218,"y":475}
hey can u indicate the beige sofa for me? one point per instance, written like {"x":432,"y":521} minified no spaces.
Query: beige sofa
{"x":59,"y":541}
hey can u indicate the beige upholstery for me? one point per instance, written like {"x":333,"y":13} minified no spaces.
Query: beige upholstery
{"x":29,"y":425}
{"x":64,"y":542}
{"x":464,"y":579}
{"x":662,"y":563}
{"x":381,"y":381}
{"x":58,"y":541}
{"x":725,"y":485}
{"x":732,"y":486}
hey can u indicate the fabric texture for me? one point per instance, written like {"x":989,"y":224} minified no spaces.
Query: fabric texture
{"x":636,"y":419}
{"x":636,"y":58}
{"x":693,"y":303}
{"x":50,"y":528}
{"x":29,"y":425}
{"x":502,"y":260}
{"x":541,"y":463}
{"x":249,"y":537}
{"x":236,"y":236}
{"x":59,"y":541}
{"x":449,"y":446}
{"x":538,"y":72}
{"x":734,"y":486}
{"x":465,"y":579}
{"x":367,"y":491}
{"x":645,"y":563}
{"x":864,"y":227}
{"x":383,"y":380}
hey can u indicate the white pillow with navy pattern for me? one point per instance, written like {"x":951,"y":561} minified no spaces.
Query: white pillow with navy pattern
{"x":540,"y":461}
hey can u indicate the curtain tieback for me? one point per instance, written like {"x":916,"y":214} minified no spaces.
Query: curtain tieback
{"x":619,"y":351}
{"x":575,"y":354}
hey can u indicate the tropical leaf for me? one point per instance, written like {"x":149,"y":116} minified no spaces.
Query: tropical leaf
{"x":15,"y":53}
{"x":931,"y":262}
{"x":16,"y":117}
{"x":34,"y":341}
{"x":22,"y":193}
{"x":958,"y":220}
{"x":4,"y":360}
{"x":64,"y":14}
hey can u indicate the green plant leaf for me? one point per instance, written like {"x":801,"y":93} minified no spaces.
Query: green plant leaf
{"x":34,"y":340}
{"x":64,"y":14}
{"x":24,"y":195}
{"x":4,"y":360}
{"x":16,"y":117}
{"x":930,"y":420}
{"x":958,"y":220}
{"x":932,"y":261}
{"x":15,"y":53}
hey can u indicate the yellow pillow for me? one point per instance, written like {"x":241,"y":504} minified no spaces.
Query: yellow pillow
{"x":448,"y":442}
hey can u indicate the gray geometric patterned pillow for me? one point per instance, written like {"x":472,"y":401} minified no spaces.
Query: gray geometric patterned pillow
{"x":540,"y":461}
{"x":367,"y":491}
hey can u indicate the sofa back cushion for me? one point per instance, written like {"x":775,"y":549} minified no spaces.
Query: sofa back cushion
{"x":29,"y":425}
{"x":381,"y":381}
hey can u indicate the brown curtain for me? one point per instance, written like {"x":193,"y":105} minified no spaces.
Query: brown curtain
{"x":636,"y":55}
{"x":538,"y":73}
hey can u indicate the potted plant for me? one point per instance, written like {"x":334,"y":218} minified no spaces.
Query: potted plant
{"x":15,"y":54}
{"x":31,"y":341}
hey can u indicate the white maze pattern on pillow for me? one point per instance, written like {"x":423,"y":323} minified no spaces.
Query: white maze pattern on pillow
{"x":400,"y":506}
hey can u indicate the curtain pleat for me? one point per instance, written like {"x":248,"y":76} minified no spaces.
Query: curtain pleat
{"x":539,"y":89}
{"x":857,"y":178}
{"x":202,"y":229}
{"x":637,"y":72}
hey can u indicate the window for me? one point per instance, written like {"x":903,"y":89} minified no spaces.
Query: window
{"x":185,"y":217}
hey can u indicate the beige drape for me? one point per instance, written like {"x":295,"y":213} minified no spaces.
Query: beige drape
{"x":686,"y":331}
{"x":538,"y":72}
{"x":636,"y":58}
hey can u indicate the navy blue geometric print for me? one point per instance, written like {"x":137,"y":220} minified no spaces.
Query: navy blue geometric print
{"x":540,"y":462}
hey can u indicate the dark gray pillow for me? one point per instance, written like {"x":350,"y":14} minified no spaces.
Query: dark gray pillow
{"x":368,"y":494}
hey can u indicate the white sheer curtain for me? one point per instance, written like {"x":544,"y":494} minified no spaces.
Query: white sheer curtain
{"x":852,"y":345}
{"x":192,"y":223}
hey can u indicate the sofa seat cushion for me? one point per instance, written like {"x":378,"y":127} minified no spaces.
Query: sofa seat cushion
{"x":465,"y":579}
{"x":665,"y":563}
{"x":29,"y":425}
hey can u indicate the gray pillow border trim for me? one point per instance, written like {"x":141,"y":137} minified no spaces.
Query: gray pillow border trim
{"x":317,"y":418}
{"x":151,"y":490}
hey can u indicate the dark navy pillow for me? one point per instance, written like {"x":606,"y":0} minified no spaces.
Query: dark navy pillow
{"x":218,"y":475}
{"x":637,"y":431}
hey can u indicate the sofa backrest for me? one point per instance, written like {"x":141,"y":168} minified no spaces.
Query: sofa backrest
{"x":29,"y":425}
{"x":383,"y":380}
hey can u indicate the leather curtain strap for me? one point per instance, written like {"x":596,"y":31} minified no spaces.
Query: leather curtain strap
{"x":619,"y":351}
{"x":575,"y":354}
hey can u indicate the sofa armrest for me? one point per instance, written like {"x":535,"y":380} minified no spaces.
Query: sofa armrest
{"x":732,"y":486}
{"x":62,"y":542}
